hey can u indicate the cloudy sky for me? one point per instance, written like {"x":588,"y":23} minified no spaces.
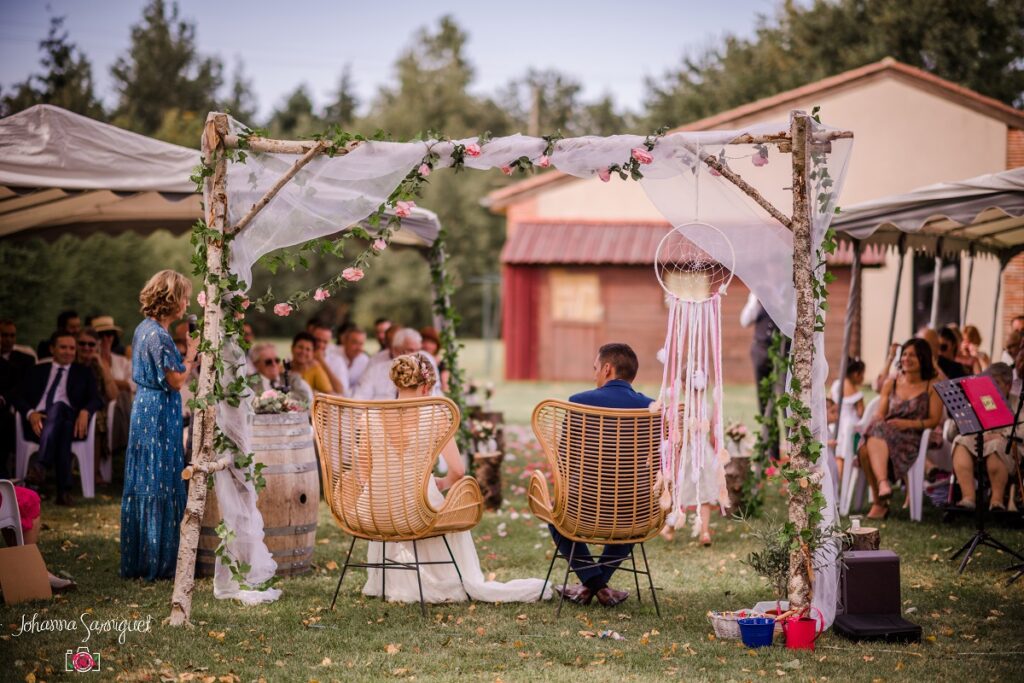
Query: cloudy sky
{"x":608,"y":46}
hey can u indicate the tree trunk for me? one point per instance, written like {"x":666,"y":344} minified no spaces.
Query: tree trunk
{"x":800,"y":567}
{"x":865,"y":538}
{"x":204,"y":421}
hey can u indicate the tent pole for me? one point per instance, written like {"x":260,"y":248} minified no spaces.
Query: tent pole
{"x":896,"y":292}
{"x":852,"y":313}
{"x":933,"y":321}
{"x":967,"y":295}
{"x":995,"y":311}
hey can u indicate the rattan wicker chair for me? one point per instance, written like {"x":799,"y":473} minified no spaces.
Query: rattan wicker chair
{"x":604,"y":467}
{"x":377,"y":458}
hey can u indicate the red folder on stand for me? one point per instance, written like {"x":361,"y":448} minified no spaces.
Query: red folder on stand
{"x":988,"y":403}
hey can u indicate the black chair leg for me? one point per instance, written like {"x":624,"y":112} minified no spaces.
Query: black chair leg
{"x":456,"y":565}
{"x":636,"y":577}
{"x":565,"y":582}
{"x":383,"y":569}
{"x":419,"y":581}
{"x":650,"y":581}
{"x":343,"y":570}
{"x":547,"y":578}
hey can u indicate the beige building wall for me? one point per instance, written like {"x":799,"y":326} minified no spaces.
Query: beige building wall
{"x":906,"y":137}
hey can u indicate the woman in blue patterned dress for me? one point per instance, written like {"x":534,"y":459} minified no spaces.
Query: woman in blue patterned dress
{"x":154,"y":493}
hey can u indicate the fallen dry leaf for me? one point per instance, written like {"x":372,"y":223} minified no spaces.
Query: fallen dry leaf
{"x":392,"y":648}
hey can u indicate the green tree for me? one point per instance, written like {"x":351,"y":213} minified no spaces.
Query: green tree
{"x":554,"y":94}
{"x":241,"y":100}
{"x":342,"y":111}
{"x":66,"y":81}
{"x":976,"y":43}
{"x":295,"y":117}
{"x":432,"y":93}
{"x":163,"y":71}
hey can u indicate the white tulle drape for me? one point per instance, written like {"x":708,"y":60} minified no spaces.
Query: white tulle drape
{"x":331,"y":194}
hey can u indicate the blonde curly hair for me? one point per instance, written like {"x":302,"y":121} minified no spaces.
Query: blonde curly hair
{"x":411,"y":371}
{"x":163,"y":295}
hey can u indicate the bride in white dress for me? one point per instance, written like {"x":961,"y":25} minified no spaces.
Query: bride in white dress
{"x":414,"y":376}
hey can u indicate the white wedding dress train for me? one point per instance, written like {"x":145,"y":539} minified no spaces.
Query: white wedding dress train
{"x":440,"y":581}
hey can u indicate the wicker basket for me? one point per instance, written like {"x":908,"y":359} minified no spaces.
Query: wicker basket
{"x":726,"y":624}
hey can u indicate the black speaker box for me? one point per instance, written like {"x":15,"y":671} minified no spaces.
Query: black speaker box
{"x":870,"y":582}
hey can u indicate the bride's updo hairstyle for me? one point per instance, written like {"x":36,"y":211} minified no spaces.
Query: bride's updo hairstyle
{"x":412,"y":371}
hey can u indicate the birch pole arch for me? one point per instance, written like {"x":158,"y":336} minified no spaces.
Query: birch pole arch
{"x":283,"y":193}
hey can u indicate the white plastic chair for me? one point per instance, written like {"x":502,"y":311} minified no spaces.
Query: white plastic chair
{"x":10,"y":516}
{"x":84,"y":451}
{"x":854,"y":483}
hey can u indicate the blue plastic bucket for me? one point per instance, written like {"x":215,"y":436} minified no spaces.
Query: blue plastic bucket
{"x":757,"y":631}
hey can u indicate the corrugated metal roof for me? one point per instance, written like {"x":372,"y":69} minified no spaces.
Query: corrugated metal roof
{"x":624,"y":244}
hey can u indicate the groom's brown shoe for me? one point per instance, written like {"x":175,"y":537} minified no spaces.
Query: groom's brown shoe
{"x":578,"y":594}
{"x":609,"y":597}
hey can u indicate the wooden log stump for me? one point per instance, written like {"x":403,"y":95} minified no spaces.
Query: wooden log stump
{"x":736,"y":473}
{"x":487,"y":459}
{"x":865,"y":538}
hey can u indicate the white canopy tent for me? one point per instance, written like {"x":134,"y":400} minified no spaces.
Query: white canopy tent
{"x":63,"y":173}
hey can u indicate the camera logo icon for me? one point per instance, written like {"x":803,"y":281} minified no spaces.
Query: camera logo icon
{"x":81,"y":660}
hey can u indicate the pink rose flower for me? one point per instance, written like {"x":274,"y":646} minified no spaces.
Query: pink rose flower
{"x":352,"y":274}
{"x":714,"y":171}
{"x":472,"y":150}
{"x":244,"y":303}
{"x":379,"y":245}
{"x":424,"y":170}
{"x":404,"y":209}
{"x":604,"y":174}
{"x":641,"y":155}
{"x":507,"y":170}
{"x":760,"y":159}
{"x":321,"y":294}
{"x":201,"y":298}
{"x":238,"y":315}
{"x":544,"y":161}
{"x":282,"y":309}
{"x":770,"y":471}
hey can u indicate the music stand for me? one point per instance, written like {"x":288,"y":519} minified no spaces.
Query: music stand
{"x":968,"y":422}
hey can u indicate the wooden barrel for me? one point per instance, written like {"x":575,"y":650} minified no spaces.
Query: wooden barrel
{"x":288,"y":503}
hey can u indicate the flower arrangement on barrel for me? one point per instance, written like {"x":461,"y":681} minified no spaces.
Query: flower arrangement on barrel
{"x":273,"y":401}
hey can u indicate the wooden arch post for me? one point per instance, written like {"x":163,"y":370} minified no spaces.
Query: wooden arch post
{"x":215,"y":201}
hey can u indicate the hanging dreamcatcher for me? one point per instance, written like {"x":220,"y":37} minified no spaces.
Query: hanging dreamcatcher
{"x":690,"y":401}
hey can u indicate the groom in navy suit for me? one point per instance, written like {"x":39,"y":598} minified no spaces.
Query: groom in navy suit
{"x":57,"y":399}
{"x":615,"y":368}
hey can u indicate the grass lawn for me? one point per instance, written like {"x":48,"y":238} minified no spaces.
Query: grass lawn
{"x":972,"y":623}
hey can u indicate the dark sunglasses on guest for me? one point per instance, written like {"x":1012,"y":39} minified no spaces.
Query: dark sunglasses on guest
{"x":271,"y":361}
{"x":87,"y":344}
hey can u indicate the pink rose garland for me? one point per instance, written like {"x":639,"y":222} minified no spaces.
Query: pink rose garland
{"x":404,"y":209}
{"x":282,"y":310}
{"x":641,"y":155}
{"x":352,"y":274}
{"x":321,"y":294}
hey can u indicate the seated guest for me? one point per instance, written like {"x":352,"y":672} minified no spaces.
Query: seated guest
{"x":432,"y":346}
{"x":380,"y":329}
{"x":67,"y":321}
{"x":353,"y":341}
{"x":331,"y":358}
{"x":998,"y":462}
{"x":852,"y":402}
{"x":28,"y":511}
{"x":1014,"y":343}
{"x":14,"y":365}
{"x":949,"y":342}
{"x":615,"y":368}
{"x":56,"y":401}
{"x":120,"y":368}
{"x":305,"y":364}
{"x":376,"y":383}
{"x":908,"y":406}
{"x":88,"y":344}
{"x":971,"y":356}
{"x":271,"y":375}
